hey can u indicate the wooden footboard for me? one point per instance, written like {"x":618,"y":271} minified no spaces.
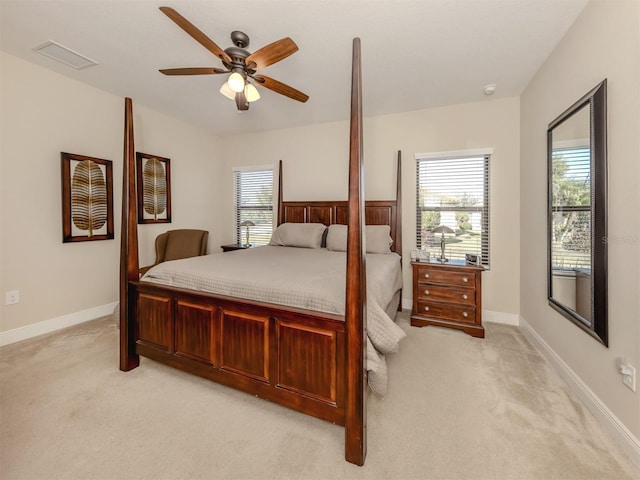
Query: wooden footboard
{"x":290,"y":356}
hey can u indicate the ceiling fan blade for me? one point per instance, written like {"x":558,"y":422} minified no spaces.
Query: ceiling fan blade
{"x":192,"y":30}
{"x":193,"y":71}
{"x":272,"y":53}
{"x":280,"y":88}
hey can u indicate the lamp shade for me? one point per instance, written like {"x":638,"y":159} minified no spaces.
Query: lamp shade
{"x":236,"y":82}
{"x":442,"y":229}
{"x":251,"y":93}
{"x":227,"y":92}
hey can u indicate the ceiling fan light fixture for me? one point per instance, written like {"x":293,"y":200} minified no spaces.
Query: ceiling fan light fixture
{"x":227,"y":92}
{"x":251,"y":93}
{"x":236,"y":82}
{"x":239,"y":63}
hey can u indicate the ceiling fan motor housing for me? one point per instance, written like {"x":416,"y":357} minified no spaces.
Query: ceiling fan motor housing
{"x":238,"y":53}
{"x":240,"y":39}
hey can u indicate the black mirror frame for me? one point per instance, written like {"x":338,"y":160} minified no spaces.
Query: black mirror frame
{"x":597,"y":100}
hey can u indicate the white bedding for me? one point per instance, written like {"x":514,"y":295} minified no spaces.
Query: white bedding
{"x":310,"y":278}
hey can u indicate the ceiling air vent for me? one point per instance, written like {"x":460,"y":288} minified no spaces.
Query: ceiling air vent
{"x":65,"y":55}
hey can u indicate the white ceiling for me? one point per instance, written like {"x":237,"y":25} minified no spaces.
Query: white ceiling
{"x":415,"y":53}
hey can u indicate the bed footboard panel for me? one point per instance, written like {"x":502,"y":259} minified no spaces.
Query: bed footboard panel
{"x":155,"y":330}
{"x":245,"y":344}
{"x":290,"y":356}
{"x":307,"y":360}
{"x":195,"y":327}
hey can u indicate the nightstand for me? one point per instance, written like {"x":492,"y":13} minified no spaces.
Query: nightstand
{"x":236,"y":246}
{"x":448,"y":295}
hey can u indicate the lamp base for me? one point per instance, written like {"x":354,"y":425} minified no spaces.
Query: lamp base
{"x":442,"y":258}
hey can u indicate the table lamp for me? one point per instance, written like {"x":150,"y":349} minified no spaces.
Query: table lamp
{"x":247,"y":224}
{"x":442,"y":230}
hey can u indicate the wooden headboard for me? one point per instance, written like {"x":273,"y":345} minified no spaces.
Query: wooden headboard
{"x":377,"y":212}
{"x":329,"y":213}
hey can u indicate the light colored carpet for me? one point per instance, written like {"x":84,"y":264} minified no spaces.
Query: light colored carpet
{"x":457,"y":408}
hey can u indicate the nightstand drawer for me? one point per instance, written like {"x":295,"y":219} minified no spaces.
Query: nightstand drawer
{"x":456,"y":313}
{"x":433,"y":293}
{"x":445,"y":277}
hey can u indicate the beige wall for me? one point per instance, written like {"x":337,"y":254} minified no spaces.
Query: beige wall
{"x":603,"y":43}
{"x":43,"y":114}
{"x":315,"y":162}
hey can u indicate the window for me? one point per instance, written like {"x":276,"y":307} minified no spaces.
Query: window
{"x":254,"y":203}
{"x":571,"y":209}
{"x":453,"y":191}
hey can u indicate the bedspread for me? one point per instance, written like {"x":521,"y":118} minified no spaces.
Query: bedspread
{"x":309,"y":278}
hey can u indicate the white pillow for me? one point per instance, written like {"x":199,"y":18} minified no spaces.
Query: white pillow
{"x":305,"y":235}
{"x":337,"y":238}
{"x":378,"y":238}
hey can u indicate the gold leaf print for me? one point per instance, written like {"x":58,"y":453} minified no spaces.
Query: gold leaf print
{"x":155,"y":187}
{"x":88,"y":197}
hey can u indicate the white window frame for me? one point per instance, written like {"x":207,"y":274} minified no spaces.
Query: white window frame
{"x":239,"y":231}
{"x":485,"y":247}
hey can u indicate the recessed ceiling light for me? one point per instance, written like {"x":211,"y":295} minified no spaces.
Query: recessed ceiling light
{"x":65,"y":55}
{"x":489,"y":89}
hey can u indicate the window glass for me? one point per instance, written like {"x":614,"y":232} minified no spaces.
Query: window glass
{"x":571,"y":209}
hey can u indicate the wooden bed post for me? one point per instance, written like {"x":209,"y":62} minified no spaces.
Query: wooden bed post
{"x":280,"y":207}
{"x":356,"y":308}
{"x":399,"y":206}
{"x":129,"y":359}
{"x":398,"y":240}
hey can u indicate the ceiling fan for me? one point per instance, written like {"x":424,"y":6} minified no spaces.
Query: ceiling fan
{"x":239,"y":63}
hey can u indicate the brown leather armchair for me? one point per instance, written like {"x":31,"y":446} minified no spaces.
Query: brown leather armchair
{"x":176,"y":244}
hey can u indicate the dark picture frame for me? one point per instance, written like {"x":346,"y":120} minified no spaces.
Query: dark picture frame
{"x":153,"y":176}
{"x":87,"y":198}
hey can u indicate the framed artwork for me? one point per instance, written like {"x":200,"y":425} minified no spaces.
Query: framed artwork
{"x":87,"y":198}
{"x":154,"y":188}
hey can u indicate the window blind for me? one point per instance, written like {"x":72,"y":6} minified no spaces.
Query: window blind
{"x":254,"y":202}
{"x":454,"y":192}
{"x":571,"y":209}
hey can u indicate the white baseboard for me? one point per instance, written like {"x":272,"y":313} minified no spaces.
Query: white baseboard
{"x":53,"y":324}
{"x":500,"y":317}
{"x":407,"y":304}
{"x":606,"y":417}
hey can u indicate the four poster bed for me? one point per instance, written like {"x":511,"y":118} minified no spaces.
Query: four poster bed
{"x":302,"y":353}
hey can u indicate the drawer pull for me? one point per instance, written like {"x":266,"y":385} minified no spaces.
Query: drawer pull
{"x":426,"y":292}
{"x":465,"y":314}
{"x":465,"y":296}
{"x":426,"y":309}
{"x":465,"y":279}
{"x":426,"y":275}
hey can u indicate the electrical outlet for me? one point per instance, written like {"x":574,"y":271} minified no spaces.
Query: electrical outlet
{"x":628,"y":373}
{"x":12,"y":297}
{"x":629,"y":379}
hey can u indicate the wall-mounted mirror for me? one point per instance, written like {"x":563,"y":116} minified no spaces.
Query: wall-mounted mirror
{"x":577,"y":219}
